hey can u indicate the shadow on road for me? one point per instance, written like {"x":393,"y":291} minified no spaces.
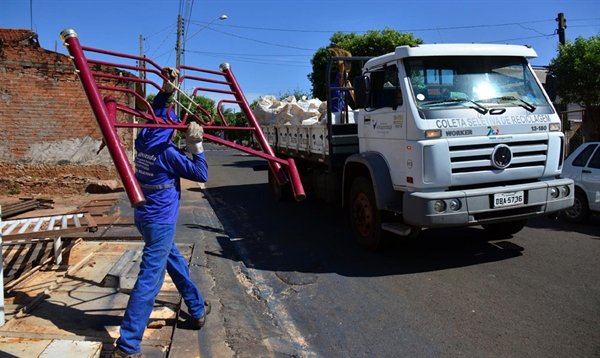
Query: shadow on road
{"x":590,"y":227}
{"x":311,"y":237}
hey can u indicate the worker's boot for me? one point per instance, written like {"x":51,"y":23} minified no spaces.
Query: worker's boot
{"x":198,"y":323}
{"x":117,"y":353}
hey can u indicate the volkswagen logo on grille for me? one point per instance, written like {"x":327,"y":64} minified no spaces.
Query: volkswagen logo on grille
{"x":501,"y":156}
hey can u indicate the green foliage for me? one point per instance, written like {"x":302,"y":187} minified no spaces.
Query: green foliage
{"x":204,"y":102}
{"x":207,"y":104}
{"x":233,"y":118}
{"x":297,"y":93}
{"x":373,"y":43}
{"x":577,"y":68}
{"x":236,"y":119}
{"x":150,"y":97}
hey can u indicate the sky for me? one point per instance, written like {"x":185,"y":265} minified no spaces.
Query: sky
{"x":269,"y":43}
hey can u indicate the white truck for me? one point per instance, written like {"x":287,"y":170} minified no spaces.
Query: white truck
{"x":441,"y":135}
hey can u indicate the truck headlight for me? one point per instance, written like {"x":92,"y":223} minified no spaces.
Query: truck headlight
{"x":554,"y":127}
{"x":439,"y":206}
{"x":565,"y":191}
{"x":455,"y":204}
{"x":554,"y":192}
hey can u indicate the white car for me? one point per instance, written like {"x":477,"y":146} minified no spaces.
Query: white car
{"x":583,"y":166}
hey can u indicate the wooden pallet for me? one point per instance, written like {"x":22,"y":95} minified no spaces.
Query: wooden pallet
{"x":46,"y":226}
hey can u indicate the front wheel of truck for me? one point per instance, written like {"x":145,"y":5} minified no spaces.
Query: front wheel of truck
{"x":505,"y":229}
{"x":365,"y":218}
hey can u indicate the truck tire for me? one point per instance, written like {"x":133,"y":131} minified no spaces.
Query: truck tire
{"x":365,"y":219}
{"x":280,"y":192}
{"x":505,"y":229}
{"x":580,"y":211}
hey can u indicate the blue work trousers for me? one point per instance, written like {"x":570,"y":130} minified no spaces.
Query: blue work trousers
{"x":160,"y":254}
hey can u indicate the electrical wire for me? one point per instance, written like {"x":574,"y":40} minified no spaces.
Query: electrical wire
{"x":163,"y":41}
{"x":247,"y":59}
{"x":261,"y":41}
{"x":159,"y":31}
{"x":244,"y":57}
{"x":402,"y":30}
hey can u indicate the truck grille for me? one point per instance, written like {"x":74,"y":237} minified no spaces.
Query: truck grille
{"x":472,"y":158}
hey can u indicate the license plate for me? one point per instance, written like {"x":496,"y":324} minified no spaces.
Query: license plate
{"x":508,"y":199}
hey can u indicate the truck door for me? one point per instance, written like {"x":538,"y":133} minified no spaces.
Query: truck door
{"x":384,"y":127}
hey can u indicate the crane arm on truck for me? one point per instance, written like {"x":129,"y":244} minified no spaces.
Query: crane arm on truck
{"x":105,"y":109}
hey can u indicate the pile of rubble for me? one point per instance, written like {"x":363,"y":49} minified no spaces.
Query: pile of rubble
{"x":42,"y":180}
{"x":27,"y":185}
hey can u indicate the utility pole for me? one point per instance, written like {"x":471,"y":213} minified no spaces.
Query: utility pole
{"x":178,"y":44}
{"x":178,"y":56}
{"x":142,"y":64}
{"x":561,"y":27}
{"x":561,"y":38}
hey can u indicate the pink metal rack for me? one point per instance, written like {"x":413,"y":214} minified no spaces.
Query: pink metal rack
{"x":105,"y":110}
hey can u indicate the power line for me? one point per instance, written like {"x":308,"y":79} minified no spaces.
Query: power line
{"x":520,"y":38}
{"x":260,"y":41}
{"x":241,"y":57}
{"x":408,"y":30}
{"x":246,"y":59}
{"x":159,"y":31}
{"x":163,"y":41}
{"x":249,"y":54}
{"x":403,"y":30}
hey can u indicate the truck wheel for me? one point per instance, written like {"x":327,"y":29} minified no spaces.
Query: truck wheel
{"x":280,"y":193}
{"x":580,"y":211}
{"x":365,"y":219}
{"x":506,"y":228}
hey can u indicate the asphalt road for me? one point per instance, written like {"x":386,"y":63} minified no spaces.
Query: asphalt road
{"x":454,"y":293}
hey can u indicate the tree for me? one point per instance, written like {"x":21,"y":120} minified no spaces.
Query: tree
{"x":206,"y":103}
{"x":296,"y":93}
{"x":234,"y":119}
{"x":372,"y":43}
{"x":577,"y":68}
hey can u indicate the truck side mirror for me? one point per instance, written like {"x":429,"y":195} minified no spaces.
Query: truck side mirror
{"x":551,"y":86}
{"x":361,"y":91}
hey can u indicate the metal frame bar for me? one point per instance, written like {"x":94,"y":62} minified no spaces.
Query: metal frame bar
{"x":105,"y":111}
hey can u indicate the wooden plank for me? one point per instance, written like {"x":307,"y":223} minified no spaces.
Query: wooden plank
{"x":45,"y":227}
{"x":106,"y":220}
{"x":72,"y":349}
{"x":93,"y":203}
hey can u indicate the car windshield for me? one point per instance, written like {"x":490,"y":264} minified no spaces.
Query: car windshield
{"x":473,"y":81}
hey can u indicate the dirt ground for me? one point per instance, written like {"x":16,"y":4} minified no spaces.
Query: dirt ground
{"x":61,"y":204}
{"x":65,"y":185}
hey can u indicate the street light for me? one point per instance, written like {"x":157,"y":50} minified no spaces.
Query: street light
{"x":179,"y":48}
{"x":222,"y":17}
{"x":179,"y":44}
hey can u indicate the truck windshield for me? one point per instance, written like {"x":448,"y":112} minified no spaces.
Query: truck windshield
{"x":473,"y":81}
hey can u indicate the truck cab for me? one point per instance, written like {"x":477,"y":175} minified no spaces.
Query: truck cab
{"x":455,"y":135}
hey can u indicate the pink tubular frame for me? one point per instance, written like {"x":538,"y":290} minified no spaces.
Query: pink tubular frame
{"x":105,"y":110}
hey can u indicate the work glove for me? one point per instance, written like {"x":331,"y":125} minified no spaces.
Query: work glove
{"x":193,"y":138}
{"x":173,"y":75}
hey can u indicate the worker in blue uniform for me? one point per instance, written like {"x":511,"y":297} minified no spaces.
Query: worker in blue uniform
{"x":159,"y":165}
{"x":338,"y":95}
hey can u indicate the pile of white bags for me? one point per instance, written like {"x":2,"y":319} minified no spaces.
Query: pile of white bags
{"x":270,"y":111}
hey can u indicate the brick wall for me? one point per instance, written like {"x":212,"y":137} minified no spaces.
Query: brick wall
{"x":44,"y":114}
